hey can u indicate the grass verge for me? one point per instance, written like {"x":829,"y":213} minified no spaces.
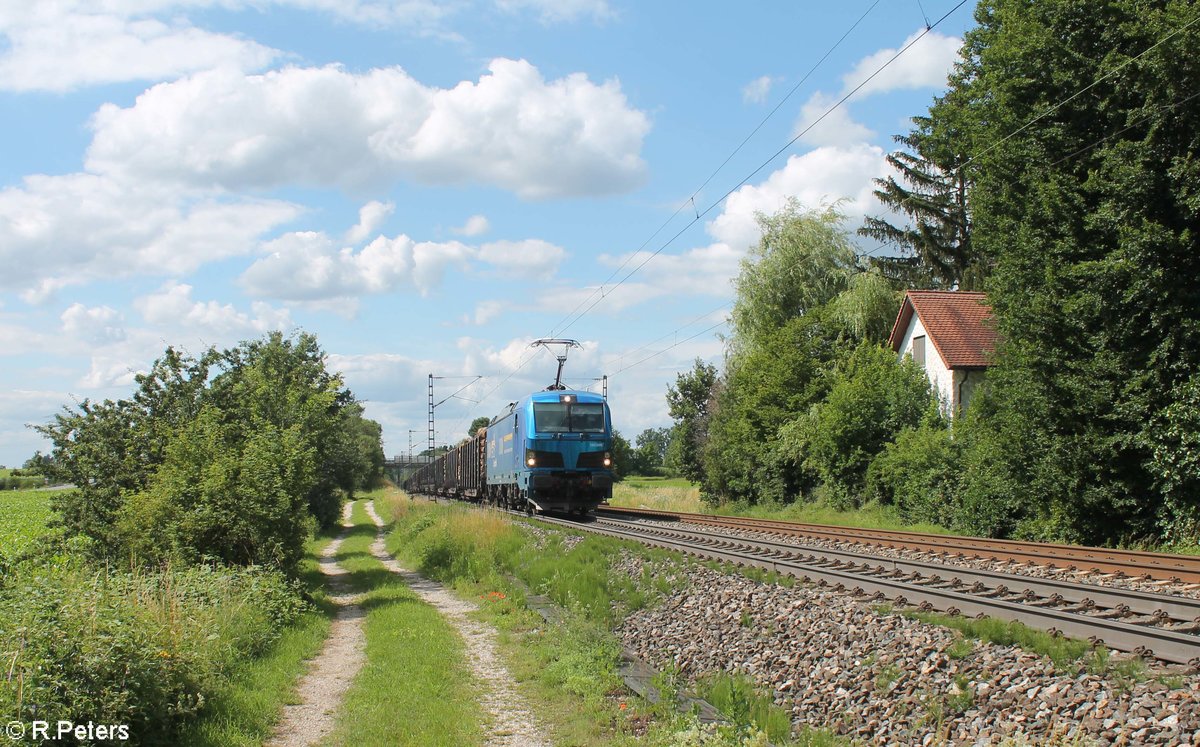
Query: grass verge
{"x":567,"y":669}
{"x":415,"y":688}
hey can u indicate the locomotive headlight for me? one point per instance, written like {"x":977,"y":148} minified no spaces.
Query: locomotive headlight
{"x":530,"y":459}
{"x":607,"y":459}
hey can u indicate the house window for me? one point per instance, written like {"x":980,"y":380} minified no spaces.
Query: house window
{"x":918,"y":350}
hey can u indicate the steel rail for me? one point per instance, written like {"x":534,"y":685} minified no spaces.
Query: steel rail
{"x":1167,"y":645}
{"x":1184,"y":568}
{"x":1036,"y":590}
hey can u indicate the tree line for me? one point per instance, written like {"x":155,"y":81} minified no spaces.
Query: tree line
{"x":1059,"y":173}
{"x":234,"y":456}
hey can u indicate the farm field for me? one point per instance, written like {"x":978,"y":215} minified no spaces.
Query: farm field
{"x":25,"y":515}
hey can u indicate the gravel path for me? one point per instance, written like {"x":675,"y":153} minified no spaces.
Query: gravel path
{"x":329,"y":675}
{"x":513,"y":724}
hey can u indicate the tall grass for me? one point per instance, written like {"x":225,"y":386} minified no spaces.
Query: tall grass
{"x":143,"y":649}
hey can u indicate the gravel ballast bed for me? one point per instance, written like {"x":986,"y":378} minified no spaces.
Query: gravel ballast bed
{"x":884,"y":678}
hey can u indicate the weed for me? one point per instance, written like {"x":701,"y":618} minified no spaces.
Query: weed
{"x":749,"y":710}
{"x":960,"y":649}
{"x":887,"y":676}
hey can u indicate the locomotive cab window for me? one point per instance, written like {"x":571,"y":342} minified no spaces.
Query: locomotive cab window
{"x":564,"y":417}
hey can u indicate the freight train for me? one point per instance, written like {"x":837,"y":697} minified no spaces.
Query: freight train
{"x":550,"y":451}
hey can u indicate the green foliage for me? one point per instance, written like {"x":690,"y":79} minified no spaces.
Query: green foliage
{"x":479,"y":422}
{"x":146,"y":650}
{"x":763,"y":389}
{"x":1174,"y":440}
{"x":1092,"y":218}
{"x":26,"y":515}
{"x":749,"y":710}
{"x":688,"y":403}
{"x":873,"y":398}
{"x":625,"y":460}
{"x":918,"y":473}
{"x":803,"y":261}
{"x":932,"y":192}
{"x":229,"y":457}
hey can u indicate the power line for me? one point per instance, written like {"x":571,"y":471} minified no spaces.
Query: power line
{"x":692,"y":198}
{"x":766,"y":163}
{"x":1079,"y":93}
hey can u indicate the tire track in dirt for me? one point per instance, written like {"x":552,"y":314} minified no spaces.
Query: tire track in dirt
{"x":329,"y":675}
{"x":513,"y":724}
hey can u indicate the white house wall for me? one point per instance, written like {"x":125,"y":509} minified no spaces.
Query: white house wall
{"x":940,"y":377}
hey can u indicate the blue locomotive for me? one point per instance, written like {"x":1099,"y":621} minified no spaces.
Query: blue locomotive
{"x":550,"y":451}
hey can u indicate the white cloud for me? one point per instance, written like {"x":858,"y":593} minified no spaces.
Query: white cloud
{"x":370,"y":217}
{"x":476,"y":225}
{"x":757,"y":90}
{"x":554,"y":11}
{"x":54,"y":47}
{"x":98,"y":325}
{"x":925,"y":65}
{"x":329,"y":127}
{"x":531,"y":258}
{"x":62,"y":230}
{"x":307,"y":266}
{"x":821,"y":125}
{"x":173,"y":306}
{"x":485,"y":311}
{"x":816,"y":178}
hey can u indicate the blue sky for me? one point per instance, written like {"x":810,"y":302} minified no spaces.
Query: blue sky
{"x":426,"y":186}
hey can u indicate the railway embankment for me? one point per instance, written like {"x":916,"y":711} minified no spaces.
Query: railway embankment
{"x":871,"y":673}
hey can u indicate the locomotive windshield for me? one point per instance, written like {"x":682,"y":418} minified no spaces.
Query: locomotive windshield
{"x":564,"y":417}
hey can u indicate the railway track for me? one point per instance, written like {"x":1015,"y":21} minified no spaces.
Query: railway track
{"x":1128,"y":563}
{"x":1152,"y":625}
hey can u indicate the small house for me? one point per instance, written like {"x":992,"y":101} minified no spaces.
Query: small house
{"x":951,"y":335}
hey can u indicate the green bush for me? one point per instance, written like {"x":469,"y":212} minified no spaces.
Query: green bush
{"x":917,"y":473}
{"x":20,"y":482}
{"x":141,"y":649}
{"x":872,"y":399}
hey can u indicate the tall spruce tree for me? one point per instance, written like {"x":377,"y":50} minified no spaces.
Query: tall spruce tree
{"x":1087,"y":196}
{"x":935,"y":244}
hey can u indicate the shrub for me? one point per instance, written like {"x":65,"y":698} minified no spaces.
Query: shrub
{"x":873,"y":398}
{"x":142,"y":649}
{"x":918,"y":473}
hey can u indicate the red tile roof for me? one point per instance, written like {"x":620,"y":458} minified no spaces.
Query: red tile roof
{"x":959,"y":323}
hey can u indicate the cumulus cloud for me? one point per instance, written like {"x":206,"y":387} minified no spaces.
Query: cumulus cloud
{"x":172,"y":306}
{"x":821,"y":125}
{"x":99,"y":325}
{"x":56,"y":47}
{"x":370,"y":217}
{"x":818,"y":177}
{"x":61,"y":230}
{"x":485,"y":311}
{"x":308,"y":266}
{"x":925,"y":65}
{"x":531,"y":258}
{"x":757,"y":90}
{"x":329,"y":127}
{"x":476,"y":225}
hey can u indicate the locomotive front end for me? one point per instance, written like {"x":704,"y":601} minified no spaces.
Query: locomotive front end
{"x":568,"y":451}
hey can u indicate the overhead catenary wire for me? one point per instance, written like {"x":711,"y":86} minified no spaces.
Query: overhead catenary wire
{"x":692,"y":198}
{"x":572,"y":318}
{"x":766,"y":162}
